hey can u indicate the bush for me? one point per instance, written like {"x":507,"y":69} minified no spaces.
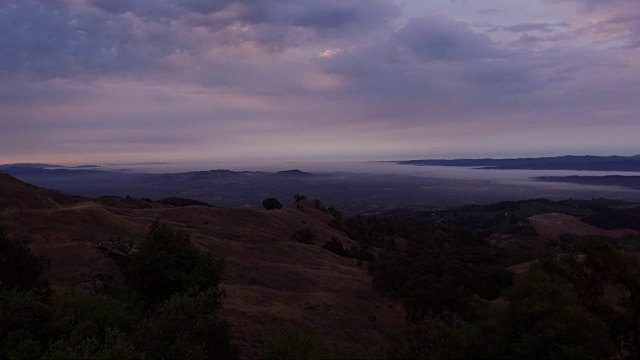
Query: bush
{"x":294,"y":345}
{"x":271,"y":203}
{"x":167,"y":263}
{"x":360,"y":253}
{"x":187,"y":327}
{"x":305,"y":236}
{"x":181,"y":202}
{"x":176,"y":319}
{"x":19,"y":268}
{"x":298,"y":197}
{"x":23,"y":315}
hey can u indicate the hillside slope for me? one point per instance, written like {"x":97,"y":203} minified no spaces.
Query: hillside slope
{"x":272,"y":283}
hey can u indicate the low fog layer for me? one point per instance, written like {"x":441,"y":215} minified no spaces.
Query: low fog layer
{"x":352,"y":187}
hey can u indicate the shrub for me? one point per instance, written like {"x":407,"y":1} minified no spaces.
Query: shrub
{"x":19,"y":268}
{"x":294,"y":345}
{"x":305,"y":236}
{"x":181,"y":202}
{"x":361,"y":253}
{"x":187,"y":327}
{"x":271,"y":203}
{"x":298,"y":197}
{"x":167,"y":263}
{"x":23,"y":315}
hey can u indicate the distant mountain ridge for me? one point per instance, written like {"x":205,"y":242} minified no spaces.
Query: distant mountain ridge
{"x":567,"y":162}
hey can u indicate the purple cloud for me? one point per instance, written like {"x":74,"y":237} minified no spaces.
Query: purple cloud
{"x":442,"y":38}
{"x":217,"y":77}
{"x":540,"y":27}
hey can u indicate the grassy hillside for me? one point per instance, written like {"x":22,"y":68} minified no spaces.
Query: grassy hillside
{"x":305,"y":281}
{"x":271,"y":282}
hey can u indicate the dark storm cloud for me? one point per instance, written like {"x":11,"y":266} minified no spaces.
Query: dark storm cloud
{"x":331,"y":14}
{"x":47,"y":41}
{"x":442,"y":38}
{"x":419,"y":55}
{"x":66,"y":39}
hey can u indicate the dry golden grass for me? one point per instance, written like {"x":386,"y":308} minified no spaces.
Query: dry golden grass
{"x":552,"y":225}
{"x":16,"y":194}
{"x":272,"y":283}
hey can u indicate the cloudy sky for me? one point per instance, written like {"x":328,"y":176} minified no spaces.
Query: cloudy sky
{"x":94,"y":81}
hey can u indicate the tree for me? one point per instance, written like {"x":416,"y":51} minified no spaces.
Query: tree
{"x":271,"y":203}
{"x":305,"y":236}
{"x":187,"y":327}
{"x":167,"y":263}
{"x":19,"y":267}
{"x":298,"y":197}
{"x":544,"y":320}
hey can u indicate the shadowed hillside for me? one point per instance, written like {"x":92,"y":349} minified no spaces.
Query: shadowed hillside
{"x":272,"y":283}
{"x":17,"y":194}
{"x":304,"y":281}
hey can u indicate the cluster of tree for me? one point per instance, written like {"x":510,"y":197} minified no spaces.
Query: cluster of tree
{"x":615,"y":218}
{"x":305,"y":236}
{"x":355,"y":252}
{"x":584,"y":305}
{"x":370,"y":231}
{"x":168,"y":309}
{"x":181,"y":202}
{"x":440,"y":279}
{"x":272,"y":203}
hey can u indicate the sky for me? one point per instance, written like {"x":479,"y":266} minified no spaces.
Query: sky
{"x":99,"y":81}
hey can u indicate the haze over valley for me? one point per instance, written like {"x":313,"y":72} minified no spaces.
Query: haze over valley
{"x":354,"y":187}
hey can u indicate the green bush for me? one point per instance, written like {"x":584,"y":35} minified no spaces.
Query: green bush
{"x":430,"y":340}
{"x":271,"y":203}
{"x":167,"y":263}
{"x":19,"y":268}
{"x":187,"y":327}
{"x":305,"y":236}
{"x":23,"y":319}
{"x":175,"y":318}
{"x":91,"y":315}
{"x":360,"y":253}
{"x":292,"y":345}
{"x":181,"y":202}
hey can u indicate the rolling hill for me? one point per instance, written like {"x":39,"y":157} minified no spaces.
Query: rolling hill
{"x":272,"y":283}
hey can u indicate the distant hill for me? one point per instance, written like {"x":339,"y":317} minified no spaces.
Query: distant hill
{"x":568,"y":162}
{"x":28,"y":165}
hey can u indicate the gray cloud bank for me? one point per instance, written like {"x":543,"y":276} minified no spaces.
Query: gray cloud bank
{"x":202,"y":75}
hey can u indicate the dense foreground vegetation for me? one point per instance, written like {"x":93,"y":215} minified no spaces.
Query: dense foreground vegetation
{"x":464,"y":297}
{"x":464,"y":300}
{"x":168,"y":309}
